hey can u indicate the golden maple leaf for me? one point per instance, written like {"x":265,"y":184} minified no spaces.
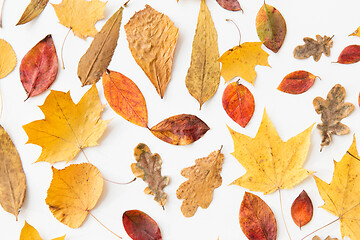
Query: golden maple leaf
{"x":271,"y":164}
{"x":342,"y":195}
{"x":80,"y":15}
{"x":67,"y":127}
{"x":28,"y":232}
{"x":241,"y":61}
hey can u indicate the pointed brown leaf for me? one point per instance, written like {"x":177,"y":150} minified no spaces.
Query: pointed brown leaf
{"x":39,"y":67}
{"x":257,"y":220}
{"x":231,"y":5}
{"x":181,"y":129}
{"x":140,"y":226}
{"x":302,"y":209}
{"x":314,"y":48}
{"x":350,"y":54}
{"x":297,"y":82}
{"x":33,"y":10}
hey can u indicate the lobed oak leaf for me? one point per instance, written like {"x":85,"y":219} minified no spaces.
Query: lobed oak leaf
{"x":7,"y":58}
{"x":33,"y":10}
{"x":140,"y":226}
{"x":28,"y":232}
{"x":314,"y":48}
{"x":328,"y":238}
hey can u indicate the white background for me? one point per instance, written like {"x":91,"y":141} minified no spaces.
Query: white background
{"x":290,"y":114}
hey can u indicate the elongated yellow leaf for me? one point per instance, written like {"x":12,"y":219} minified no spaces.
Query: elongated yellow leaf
{"x":33,"y":10}
{"x":7,"y":58}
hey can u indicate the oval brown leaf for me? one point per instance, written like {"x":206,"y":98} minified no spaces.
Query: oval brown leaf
{"x":238,"y":102}
{"x":297,"y":82}
{"x":140,"y":226}
{"x":257,"y":221}
{"x":302,"y":209}
{"x":231,"y":5}
{"x":350,"y":54}
{"x":39,"y":67}
{"x":125,"y":98}
{"x":181,"y":129}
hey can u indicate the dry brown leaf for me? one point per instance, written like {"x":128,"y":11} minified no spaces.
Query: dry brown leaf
{"x":203,"y":177}
{"x":33,"y":10}
{"x":314,"y":48}
{"x":328,"y":238}
{"x":152,"y":38}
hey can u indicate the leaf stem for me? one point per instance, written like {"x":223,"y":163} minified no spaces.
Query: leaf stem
{"x":352,"y":155}
{"x":1,"y":11}
{"x":320,"y":228}
{"x":103,"y":225}
{"x":62,"y":48}
{"x":282,"y":214}
{"x":82,"y":150}
{"x":230,"y":20}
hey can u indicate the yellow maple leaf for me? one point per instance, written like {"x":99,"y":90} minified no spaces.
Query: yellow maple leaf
{"x":342,"y":195}
{"x":241,"y":61}
{"x":80,"y":15}
{"x":271,"y":164}
{"x":28,"y":232}
{"x":73,"y":192}
{"x":67,"y":127}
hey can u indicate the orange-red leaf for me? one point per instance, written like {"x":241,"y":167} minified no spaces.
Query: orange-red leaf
{"x":350,"y":54}
{"x":231,"y":5}
{"x":238,"y":102}
{"x":125,"y":98}
{"x":257,"y":221}
{"x":140,"y":226}
{"x":302,"y":209}
{"x":181,"y":129}
{"x":297,"y":82}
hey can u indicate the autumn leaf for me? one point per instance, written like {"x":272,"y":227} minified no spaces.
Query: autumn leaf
{"x":350,"y":54}
{"x":67,"y":127}
{"x":152,"y":38}
{"x":297,"y":82}
{"x":39,"y":67}
{"x":140,"y":226}
{"x":271,"y":27}
{"x":328,"y":238}
{"x":203,"y":77}
{"x":314,"y":48}
{"x":231,"y":5}
{"x":7,"y":58}
{"x":148,"y":168}
{"x":12,"y":176}
{"x":28,"y":232}
{"x":356,"y":32}
{"x":302,"y":209}
{"x":332,"y":111}
{"x":271,"y":164}
{"x":33,"y":10}
{"x":73,"y":192}
{"x":125,"y":98}
{"x":97,"y":58}
{"x":241,"y":61}
{"x":181,"y":129}
{"x":203,"y":177}
{"x":238,"y":102}
{"x":80,"y":15}
{"x":256,"y":218}
{"x":341,"y":196}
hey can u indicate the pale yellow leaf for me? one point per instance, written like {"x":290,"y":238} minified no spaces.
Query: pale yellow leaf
{"x":7,"y":58}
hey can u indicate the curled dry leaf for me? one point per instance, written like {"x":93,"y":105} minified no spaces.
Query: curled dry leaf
{"x":231,"y":5}
{"x":332,"y":111}
{"x":328,"y":238}
{"x":256,"y":218}
{"x":33,"y":10}
{"x":28,"y":232}
{"x":148,"y":168}
{"x":67,"y":127}
{"x":125,"y":98}
{"x":152,"y":38}
{"x":350,"y":54}
{"x":39,"y":67}
{"x":181,"y":129}
{"x":73,"y":192}
{"x":297,"y":82}
{"x":314,"y":48}
{"x":203,"y":77}
{"x":271,"y":27}
{"x":12,"y":176}
{"x":97,"y":58}
{"x":203,"y":177}
{"x":238,"y":102}
{"x":7,"y":58}
{"x":140,"y":226}
{"x":302,"y":209}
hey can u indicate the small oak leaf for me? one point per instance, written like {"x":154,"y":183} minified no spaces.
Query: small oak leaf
{"x":314,"y":48}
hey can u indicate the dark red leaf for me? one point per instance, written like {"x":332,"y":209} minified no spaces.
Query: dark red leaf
{"x":140,"y":226}
{"x":350,"y":54}
{"x":231,"y":5}
{"x":302,"y":209}
{"x":297,"y":82}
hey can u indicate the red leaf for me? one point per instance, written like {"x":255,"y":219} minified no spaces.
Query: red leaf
{"x":257,"y":221}
{"x":231,"y":5}
{"x":39,"y":67}
{"x":297,"y":82}
{"x":302,"y":209}
{"x":140,"y":226}
{"x":350,"y":54}
{"x":238,"y":102}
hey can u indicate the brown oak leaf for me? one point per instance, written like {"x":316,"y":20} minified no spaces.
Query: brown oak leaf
{"x":314,"y":48}
{"x":328,"y":238}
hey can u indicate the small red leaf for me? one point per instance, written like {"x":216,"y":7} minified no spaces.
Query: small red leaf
{"x":257,"y":221}
{"x":238,"y":102}
{"x":302,"y":209}
{"x":140,"y":226}
{"x":231,"y":5}
{"x":350,"y":54}
{"x":297,"y":82}
{"x":39,"y":67}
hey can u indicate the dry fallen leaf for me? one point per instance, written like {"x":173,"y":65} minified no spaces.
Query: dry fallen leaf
{"x":80,"y":15}
{"x":297,"y":82}
{"x":28,"y":232}
{"x":203,"y":177}
{"x":73,"y":192}
{"x":231,"y":5}
{"x":203,"y":76}
{"x":67,"y":127}
{"x":148,"y":168}
{"x":328,"y":238}
{"x":314,"y":48}
{"x":350,"y":54}
{"x":302,"y":209}
{"x":140,"y":226}
{"x":332,"y":111}
{"x":12,"y":176}
{"x":7,"y":58}
{"x":33,"y":10}
{"x":342,"y":195}
{"x":271,"y":164}
{"x":152,"y":38}
{"x":97,"y":58}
